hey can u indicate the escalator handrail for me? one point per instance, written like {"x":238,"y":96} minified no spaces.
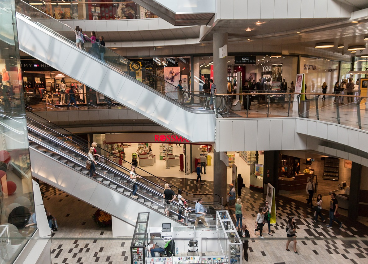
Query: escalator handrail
{"x":56,"y":140}
{"x":109,"y":65}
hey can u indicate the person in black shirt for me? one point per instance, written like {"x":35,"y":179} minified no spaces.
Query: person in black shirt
{"x":244,"y":236}
{"x":334,"y":205}
{"x":102,"y":48}
{"x":283,"y":86}
{"x":169,"y":196}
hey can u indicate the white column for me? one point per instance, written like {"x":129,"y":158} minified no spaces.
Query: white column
{"x":219,"y":64}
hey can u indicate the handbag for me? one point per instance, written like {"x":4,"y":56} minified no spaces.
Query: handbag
{"x":88,"y":164}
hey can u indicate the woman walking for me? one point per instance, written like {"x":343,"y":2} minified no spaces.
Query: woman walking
{"x":319,"y":208}
{"x":78,"y":39}
{"x":259,"y":222}
{"x":92,"y":169}
{"x":238,"y":213}
{"x":290,"y":231}
{"x":94,"y":50}
{"x":324,"y":90}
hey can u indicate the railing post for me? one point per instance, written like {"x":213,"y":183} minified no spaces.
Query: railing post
{"x":338,"y":110}
{"x":289,"y":105}
{"x":317,"y":112}
{"x":247,"y":104}
{"x":268,"y":105}
{"x":358,"y":113}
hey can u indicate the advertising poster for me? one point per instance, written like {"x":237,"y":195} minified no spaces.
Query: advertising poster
{"x":276,"y":73}
{"x":259,"y":170}
{"x":172,"y":77}
{"x":270,"y":198}
{"x":299,"y":83}
{"x":250,"y":77}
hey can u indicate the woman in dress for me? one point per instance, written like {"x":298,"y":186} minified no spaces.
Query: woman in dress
{"x":291,"y":233}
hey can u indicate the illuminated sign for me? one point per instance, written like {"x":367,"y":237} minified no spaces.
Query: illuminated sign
{"x":169,"y":138}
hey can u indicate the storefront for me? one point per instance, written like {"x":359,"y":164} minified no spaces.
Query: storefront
{"x":45,"y":85}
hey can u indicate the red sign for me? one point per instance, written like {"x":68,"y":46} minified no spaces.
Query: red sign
{"x":170,"y":138}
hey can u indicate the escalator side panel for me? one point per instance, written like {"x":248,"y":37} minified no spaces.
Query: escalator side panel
{"x":84,"y":188}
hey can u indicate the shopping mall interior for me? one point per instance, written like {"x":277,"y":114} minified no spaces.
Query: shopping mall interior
{"x":191,"y":131}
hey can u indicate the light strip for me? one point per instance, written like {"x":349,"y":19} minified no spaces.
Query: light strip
{"x":356,"y":47}
{"x":324,"y":45}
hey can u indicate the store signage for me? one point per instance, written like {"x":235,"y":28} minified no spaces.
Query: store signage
{"x":170,"y":138}
{"x":35,"y":65}
{"x":266,"y":68}
{"x":245,"y":59}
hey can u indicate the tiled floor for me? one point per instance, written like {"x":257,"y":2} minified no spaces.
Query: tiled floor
{"x":79,"y":239}
{"x":317,"y":244}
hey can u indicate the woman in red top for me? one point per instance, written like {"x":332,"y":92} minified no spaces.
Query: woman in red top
{"x":94,"y":51}
{"x":94,"y":153}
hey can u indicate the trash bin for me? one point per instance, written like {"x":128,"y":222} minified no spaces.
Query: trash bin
{"x":304,"y":107}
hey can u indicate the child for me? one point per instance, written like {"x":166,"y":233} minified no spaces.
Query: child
{"x":199,"y":172}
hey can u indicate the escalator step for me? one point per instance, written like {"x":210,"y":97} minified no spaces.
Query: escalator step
{"x":56,"y":156}
{"x":63,"y":160}
{"x":148,"y":203}
{"x":99,"y":179}
{"x":127,"y":193}
{"x":141,"y":200}
{"x":105,"y":182}
{"x":120,"y":189}
{"x":113,"y":186}
{"x":161,"y":210}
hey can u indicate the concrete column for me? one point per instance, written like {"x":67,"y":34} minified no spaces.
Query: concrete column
{"x":219,"y":178}
{"x":356,"y":173}
{"x":271,"y":169}
{"x":219,"y":65}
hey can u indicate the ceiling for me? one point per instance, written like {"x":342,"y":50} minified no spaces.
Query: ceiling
{"x":356,"y":3}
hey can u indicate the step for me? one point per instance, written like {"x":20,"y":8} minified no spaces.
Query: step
{"x":113,"y":186}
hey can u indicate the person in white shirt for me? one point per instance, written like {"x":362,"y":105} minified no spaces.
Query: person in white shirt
{"x":91,"y":158}
{"x":310,"y":191}
{"x":133,"y":177}
{"x":259,"y":223}
{"x":319,"y":208}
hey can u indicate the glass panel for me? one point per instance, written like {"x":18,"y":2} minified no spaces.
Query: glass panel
{"x":143,"y":217}
{"x":17,"y":206}
{"x":93,"y":9}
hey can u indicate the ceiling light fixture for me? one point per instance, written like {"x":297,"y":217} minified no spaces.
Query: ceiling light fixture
{"x":324,"y":45}
{"x":365,"y":37}
{"x":355,"y":22}
{"x":364,"y":56}
{"x":298,"y":32}
{"x":59,"y":75}
{"x":276,"y":56}
{"x":248,"y":29}
{"x":258,"y":23}
{"x":356,"y":47}
{"x":248,"y":39}
{"x":340,"y":46}
{"x":353,"y":51}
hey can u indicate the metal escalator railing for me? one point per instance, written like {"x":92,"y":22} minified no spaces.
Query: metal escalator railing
{"x":111,"y":59}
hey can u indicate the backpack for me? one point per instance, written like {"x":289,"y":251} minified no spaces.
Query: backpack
{"x":88,"y":164}
{"x":170,"y":248}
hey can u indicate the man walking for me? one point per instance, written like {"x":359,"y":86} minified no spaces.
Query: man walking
{"x":349,"y":90}
{"x":310,"y":191}
{"x":333,"y":210}
{"x":200,"y":213}
{"x":203,"y":160}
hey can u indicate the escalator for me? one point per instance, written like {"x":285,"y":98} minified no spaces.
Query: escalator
{"x":59,"y":160}
{"x":111,"y":76}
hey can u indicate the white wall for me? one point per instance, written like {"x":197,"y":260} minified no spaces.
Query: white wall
{"x":273,"y":9}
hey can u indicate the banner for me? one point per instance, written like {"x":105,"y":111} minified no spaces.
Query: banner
{"x":270,"y":198}
{"x":172,"y":77}
{"x":300,"y":85}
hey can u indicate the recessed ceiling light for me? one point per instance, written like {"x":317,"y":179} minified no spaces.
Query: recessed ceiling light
{"x":248,"y":29}
{"x":275,"y":56}
{"x":340,"y":46}
{"x":258,"y":23}
{"x":353,"y":51}
{"x":365,"y":37}
{"x":355,"y":22}
{"x":324,"y":45}
{"x":356,"y":47}
{"x":248,"y":39}
{"x":298,"y":32}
